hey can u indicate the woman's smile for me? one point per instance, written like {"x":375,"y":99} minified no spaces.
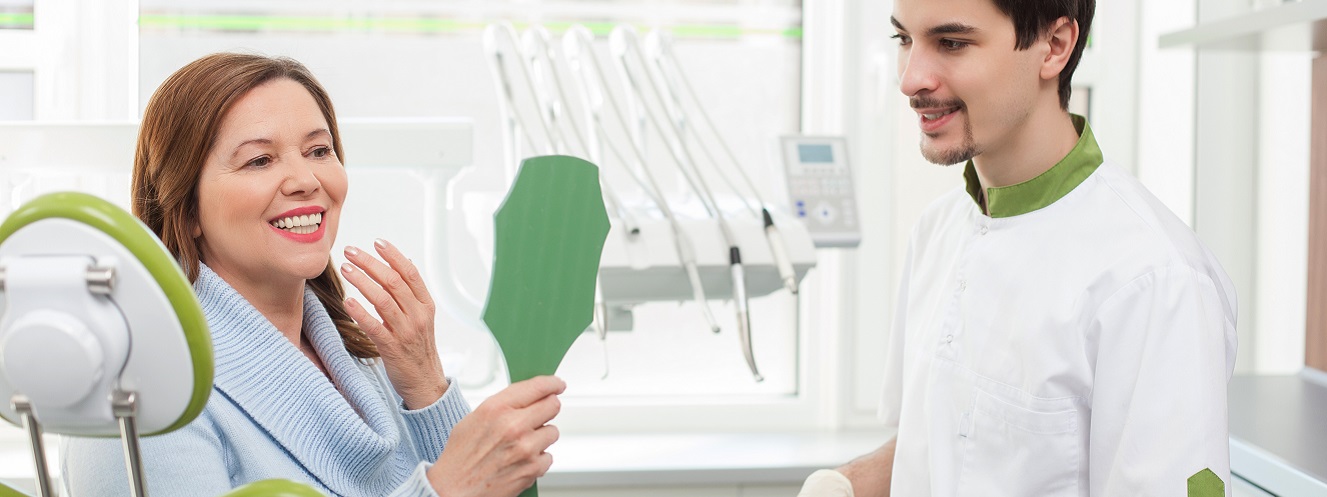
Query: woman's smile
{"x":304,"y":224}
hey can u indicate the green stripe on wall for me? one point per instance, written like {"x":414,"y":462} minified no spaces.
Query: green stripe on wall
{"x":415,"y":25}
{"x":16,"y":20}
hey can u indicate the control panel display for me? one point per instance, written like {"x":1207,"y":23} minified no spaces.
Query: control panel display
{"x":820,"y":188}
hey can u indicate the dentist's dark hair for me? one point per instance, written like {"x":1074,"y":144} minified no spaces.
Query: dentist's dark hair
{"x":180,"y":125}
{"x":1032,"y":18}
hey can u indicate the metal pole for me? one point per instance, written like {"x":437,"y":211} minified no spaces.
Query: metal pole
{"x":124,"y":406}
{"x":24,"y":408}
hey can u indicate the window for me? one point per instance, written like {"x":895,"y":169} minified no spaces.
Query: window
{"x":16,"y":65}
{"x":16,"y":14}
{"x":16,"y":95}
{"x":402,"y":60}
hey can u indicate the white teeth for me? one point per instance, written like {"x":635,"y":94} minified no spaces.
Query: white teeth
{"x":300,"y":224}
{"x":932,"y":117}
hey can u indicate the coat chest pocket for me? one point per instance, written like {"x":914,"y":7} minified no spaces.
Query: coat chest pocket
{"x":1009,"y":450}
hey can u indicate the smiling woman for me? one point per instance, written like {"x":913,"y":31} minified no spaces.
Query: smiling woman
{"x":179,"y":155}
{"x":272,"y":163}
{"x":238,"y":171}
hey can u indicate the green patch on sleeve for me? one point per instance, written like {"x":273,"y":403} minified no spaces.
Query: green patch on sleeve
{"x":1205,"y":483}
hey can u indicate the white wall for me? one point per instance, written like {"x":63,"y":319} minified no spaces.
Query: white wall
{"x":1166,"y":107}
{"x":1281,"y":264}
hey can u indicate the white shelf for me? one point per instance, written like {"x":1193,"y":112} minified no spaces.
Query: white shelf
{"x":1288,"y":26}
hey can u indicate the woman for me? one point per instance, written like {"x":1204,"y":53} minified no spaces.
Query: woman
{"x":238,"y":171}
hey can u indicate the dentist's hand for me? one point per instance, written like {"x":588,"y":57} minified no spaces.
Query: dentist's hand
{"x":405,"y":336}
{"x":498,"y":450}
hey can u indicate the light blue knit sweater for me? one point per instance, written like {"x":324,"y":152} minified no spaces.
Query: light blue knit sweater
{"x":273,"y":414}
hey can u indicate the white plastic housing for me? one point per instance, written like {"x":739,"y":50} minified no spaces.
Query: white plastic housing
{"x":46,"y":264}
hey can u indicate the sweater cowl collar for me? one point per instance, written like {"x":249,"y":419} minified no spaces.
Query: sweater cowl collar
{"x":343,"y":434}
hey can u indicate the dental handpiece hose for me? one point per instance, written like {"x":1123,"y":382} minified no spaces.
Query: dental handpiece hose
{"x":743,"y":310}
{"x":683,"y":245}
{"x":600,"y":321}
{"x":780,"y":253}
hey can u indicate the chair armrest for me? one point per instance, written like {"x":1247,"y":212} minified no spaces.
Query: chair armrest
{"x":8,"y":491}
{"x":273,"y":488}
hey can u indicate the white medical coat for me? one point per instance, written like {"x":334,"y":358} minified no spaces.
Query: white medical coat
{"x":1081,"y":349}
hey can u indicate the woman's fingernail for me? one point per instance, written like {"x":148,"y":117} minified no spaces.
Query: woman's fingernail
{"x":351,"y":251}
{"x":347,"y":268}
{"x":380,"y":243}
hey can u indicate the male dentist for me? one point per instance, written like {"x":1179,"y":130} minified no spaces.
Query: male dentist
{"x":1059,"y":332}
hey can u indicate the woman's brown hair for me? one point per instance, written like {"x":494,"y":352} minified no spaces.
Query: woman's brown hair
{"x":180,"y":124}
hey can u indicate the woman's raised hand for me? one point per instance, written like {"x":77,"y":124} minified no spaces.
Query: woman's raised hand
{"x":405,"y":336}
{"x":499,"y":449}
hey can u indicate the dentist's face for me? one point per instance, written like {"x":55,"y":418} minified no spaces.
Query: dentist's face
{"x":958,"y":65}
{"x":270,"y":193}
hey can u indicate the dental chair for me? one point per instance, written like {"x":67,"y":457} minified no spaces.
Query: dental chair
{"x":100,"y":334}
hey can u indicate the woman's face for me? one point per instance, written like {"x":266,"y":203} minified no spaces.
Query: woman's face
{"x":270,"y":193}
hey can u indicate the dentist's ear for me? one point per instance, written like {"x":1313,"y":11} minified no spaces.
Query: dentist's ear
{"x":1060,"y":40}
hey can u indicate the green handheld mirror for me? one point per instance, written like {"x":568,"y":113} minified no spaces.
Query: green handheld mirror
{"x":548,"y":236}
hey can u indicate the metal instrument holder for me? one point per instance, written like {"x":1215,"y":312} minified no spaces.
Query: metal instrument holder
{"x":24,"y":408}
{"x":125,"y":406}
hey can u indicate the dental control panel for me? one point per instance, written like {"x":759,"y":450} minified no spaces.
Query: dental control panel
{"x":820,"y":189}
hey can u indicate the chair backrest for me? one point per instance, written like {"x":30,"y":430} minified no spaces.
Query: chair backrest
{"x":100,"y":332}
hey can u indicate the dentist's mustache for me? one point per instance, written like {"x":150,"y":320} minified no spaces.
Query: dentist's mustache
{"x":933,"y":103}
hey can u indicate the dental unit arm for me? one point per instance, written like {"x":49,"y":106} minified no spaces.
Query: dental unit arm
{"x":580,"y":53}
{"x":625,"y":45}
{"x":533,"y":53}
{"x":659,"y":46}
{"x":636,"y":269}
{"x":553,"y":102}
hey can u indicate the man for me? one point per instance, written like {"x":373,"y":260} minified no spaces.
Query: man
{"x":1059,"y":332}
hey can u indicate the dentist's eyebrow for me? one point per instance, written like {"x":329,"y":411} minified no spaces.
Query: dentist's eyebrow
{"x":952,"y":28}
{"x":897,"y":25}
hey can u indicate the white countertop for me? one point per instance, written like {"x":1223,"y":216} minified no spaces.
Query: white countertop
{"x":670,"y":459}
{"x":1277,"y":433}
